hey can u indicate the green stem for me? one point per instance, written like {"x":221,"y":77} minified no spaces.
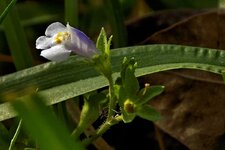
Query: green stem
{"x":77,"y":132}
{"x":13,"y":141}
{"x":103,"y":128}
{"x":112,"y":102}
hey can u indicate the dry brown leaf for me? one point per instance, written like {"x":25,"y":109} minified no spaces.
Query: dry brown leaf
{"x":142,"y":28}
{"x":204,"y":30}
{"x":194,"y":101}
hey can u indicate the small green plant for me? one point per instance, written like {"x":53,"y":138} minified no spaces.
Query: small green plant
{"x":60,"y":41}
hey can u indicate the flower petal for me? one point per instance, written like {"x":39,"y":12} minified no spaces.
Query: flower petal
{"x":43,"y":42}
{"x":80,"y":43}
{"x":54,"y":28}
{"x":56,"y":53}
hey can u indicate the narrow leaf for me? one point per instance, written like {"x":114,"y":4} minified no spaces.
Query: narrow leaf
{"x":13,"y":140}
{"x":116,"y":20}
{"x":43,"y":125}
{"x":17,"y":41}
{"x":6,"y":10}
{"x":109,"y":45}
{"x":4,"y":137}
{"x":101,"y":43}
{"x":58,"y":82}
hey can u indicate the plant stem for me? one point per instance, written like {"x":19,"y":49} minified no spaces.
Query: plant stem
{"x":12,"y":143}
{"x":77,"y":132}
{"x":103,"y":128}
{"x":112,"y":102}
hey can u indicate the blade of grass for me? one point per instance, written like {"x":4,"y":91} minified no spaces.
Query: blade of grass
{"x":13,"y":141}
{"x":17,"y":41}
{"x":43,"y":125}
{"x":6,"y":10}
{"x":117,"y":23}
{"x":71,"y":12}
{"x":71,"y":78}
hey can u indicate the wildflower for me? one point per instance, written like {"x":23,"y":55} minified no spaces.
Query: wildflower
{"x":61,"y":40}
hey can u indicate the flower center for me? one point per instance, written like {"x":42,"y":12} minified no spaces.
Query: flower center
{"x":129,"y":106}
{"x":61,"y":37}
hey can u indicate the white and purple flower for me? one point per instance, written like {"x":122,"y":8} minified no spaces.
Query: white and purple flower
{"x":61,"y":40}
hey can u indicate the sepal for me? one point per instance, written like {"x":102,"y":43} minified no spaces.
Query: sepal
{"x":148,"y":113}
{"x":148,"y":93}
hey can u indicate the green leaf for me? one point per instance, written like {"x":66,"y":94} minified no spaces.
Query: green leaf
{"x":113,"y":9}
{"x":120,"y":94}
{"x":4,"y":137}
{"x":90,"y":112}
{"x":43,"y":125}
{"x":6,"y":10}
{"x":101,"y":43}
{"x":15,"y":136}
{"x":108,"y":45}
{"x":102,"y":61}
{"x":17,"y":41}
{"x":60,"y":81}
{"x":130,"y":82}
{"x":148,"y":93}
{"x":148,"y":113}
{"x":4,"y":131}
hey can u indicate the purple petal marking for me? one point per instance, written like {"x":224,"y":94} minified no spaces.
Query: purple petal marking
{"x":80,"y":43}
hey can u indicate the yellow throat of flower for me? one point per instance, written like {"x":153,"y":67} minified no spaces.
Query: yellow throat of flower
{"x":61,"y":36}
